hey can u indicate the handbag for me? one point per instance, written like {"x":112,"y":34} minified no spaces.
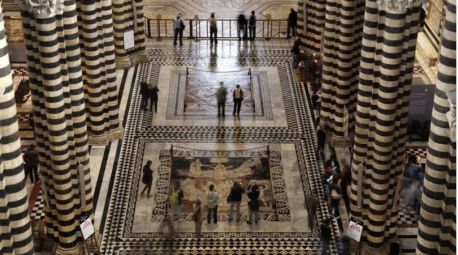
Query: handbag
{"x":229,"y":198}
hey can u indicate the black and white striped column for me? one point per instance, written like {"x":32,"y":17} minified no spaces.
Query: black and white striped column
{"x":54,"y":63}
{"x":387,"y":59}
{"x":312,"y":19}
{"x":341,"y":55}
{"x":15,"y":230}
{"x":99,"y":70}
{"x":437,"y":226}
{"x":128,"y":15}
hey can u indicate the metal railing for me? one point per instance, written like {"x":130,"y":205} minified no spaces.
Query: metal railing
{"x":227,"y":29}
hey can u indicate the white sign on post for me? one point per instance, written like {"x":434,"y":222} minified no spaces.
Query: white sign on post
{"x":355,"y":230}
{"x":129,"y":40}
{"x":87,"y":228}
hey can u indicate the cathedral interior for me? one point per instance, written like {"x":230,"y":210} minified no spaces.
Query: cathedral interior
{"x":335,"y":117}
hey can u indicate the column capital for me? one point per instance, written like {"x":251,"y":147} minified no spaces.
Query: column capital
{"x":42,"y":9}
{"x":397,"y":6}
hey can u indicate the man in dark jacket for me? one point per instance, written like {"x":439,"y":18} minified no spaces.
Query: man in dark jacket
{"x":153,"y":94}
{"x":253,"y":205}
{"x":292,"y":23}
{"x":144,"y":94}
{"x":234,"y":199}
{"x":241,"y":27}
{"x":31,"y":164}
{"x":252,"y":25}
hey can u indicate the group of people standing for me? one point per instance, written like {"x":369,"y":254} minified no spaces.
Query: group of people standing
{"x":221,"y":96}
{"x":246,"y":28}
{"x":149,"y":94}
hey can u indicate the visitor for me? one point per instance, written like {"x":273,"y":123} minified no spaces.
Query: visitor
{"x":167,"y":223}
{"x":212,"y":198}
{"x":336,"y":195}
{"x":333,"y":163}
{"x":179,"y":28}
{"x":241,"y":27}
{"x":221,"y":95}
{"x":295,"y":52}
{"x":147,"y":178}
{"x":144,"y":94}
{"x":292,"y":23}
{"x":253,"y":203}
{"x":197,"y":217}
{"x":325,"y":236}
{"x":412,"y":171}
{"x":31,"y":164}
{"x":234,"y":199}
{"x":321,"y":137}
{"x":213,"y":29}
{"x":345,"y":181}
{"x":252,"y":25}
{"x":237,"y":96}
{"x":153,"y":94}
{"x":176,"y":201}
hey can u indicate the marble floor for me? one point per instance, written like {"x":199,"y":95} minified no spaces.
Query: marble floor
{"x":276,"y":133}
{"x":196,"y":148}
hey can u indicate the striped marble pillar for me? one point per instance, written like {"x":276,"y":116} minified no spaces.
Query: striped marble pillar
{"x":437,"y":226}
{"x":99,"y":70}
{"x":128,"y":16}
{"x":387,"y":59}
{"x":15,"y":231}
{"x":341,"y":55}
{"x":312,"y":14}
{"x":55,"y":76}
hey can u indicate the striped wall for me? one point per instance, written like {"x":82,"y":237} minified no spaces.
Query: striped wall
{"x":128,"y":15}
{"x":437,"y":226}
{"x":300,"y":18}
{"x":341,"y":55}
{"x":15,"y":231}
{"x":54,"y":63}
{"x":99,"y":69}
{"x":313,"y":23}
{"x":387,"y":58}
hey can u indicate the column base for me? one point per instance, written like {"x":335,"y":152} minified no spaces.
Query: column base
{"x":131,"y":60}
{"x":340,"y":141}
{"x":77,"y":250}
{"x":103,"y":140}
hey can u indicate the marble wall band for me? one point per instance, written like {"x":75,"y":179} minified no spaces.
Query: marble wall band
{"x":99,"y":70}
{"x":60,"y":120}
{"x":15,"y":230}
{"x":387,"y":59}
{"x":313,"y":23}
{"x":437,"y":226}
{"x":128,"y":15}
{"x":341,"y":56}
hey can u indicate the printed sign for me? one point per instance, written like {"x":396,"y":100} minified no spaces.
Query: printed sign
{"x":87,"y":228}
{"x":355,"y":230}
{"x":129,"y":41}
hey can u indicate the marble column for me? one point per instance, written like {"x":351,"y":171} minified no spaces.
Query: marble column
{"x":437,"y":226}
{"x":313,"y":23}
{"x":128,"y":16}
{"x":54,"y":62}
{"x":341,"y":55}
{"x":15,"y":230}
{"x":99,"y":70}
{"x":387,"y":59}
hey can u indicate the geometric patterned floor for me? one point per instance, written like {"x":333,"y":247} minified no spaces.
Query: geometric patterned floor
{"x":140,"y":128}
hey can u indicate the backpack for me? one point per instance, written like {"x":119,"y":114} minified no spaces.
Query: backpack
{"x":174,"y":197}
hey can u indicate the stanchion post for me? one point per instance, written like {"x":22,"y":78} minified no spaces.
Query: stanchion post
{"x":190,"y":29}
{"x":268,"y":152}
{"x":148,"y":21}
{"x":158,"y":18}
{"x":185,"y":89}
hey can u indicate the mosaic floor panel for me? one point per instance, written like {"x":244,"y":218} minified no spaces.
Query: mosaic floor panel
{"x":207,"y":150}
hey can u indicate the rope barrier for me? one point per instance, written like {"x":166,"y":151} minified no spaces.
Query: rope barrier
{"x":209,"y":71}
{"x":266,"y":148}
